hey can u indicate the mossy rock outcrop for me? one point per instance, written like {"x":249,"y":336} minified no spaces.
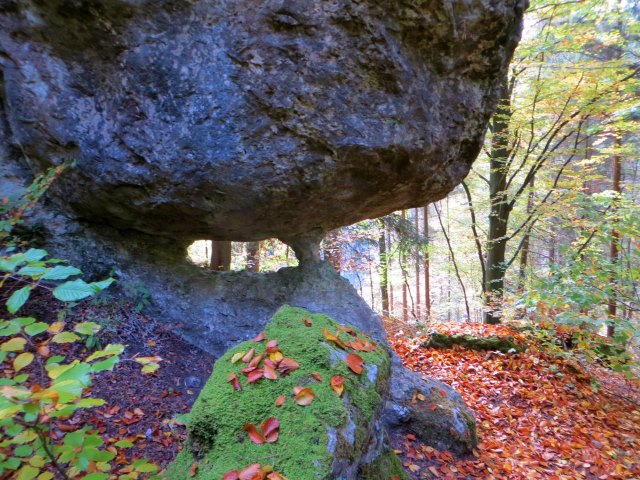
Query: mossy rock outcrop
{"x":334,"y":437}
{"x":491,"y":343}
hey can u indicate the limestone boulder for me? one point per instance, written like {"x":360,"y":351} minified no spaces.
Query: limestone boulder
{"x":246,"y":119}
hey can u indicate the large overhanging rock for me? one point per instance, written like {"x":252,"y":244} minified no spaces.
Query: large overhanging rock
{"x":246,"y":119}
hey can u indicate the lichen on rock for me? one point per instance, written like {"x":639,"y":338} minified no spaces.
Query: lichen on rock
{"x":333,"y":437}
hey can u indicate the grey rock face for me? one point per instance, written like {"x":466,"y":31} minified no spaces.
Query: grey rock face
{"x":248,"y":119}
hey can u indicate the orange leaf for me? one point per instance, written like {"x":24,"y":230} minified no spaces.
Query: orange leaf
{"x":255,"y":361}
{"x":254,"y":435}
{"x":271,"y":429}
{"x":249,"y":355}
{"x":272,"y":346}
{"x":280,"y":400}
{"x":317,"y":376}
{"x":235,"y":383}
{"x":334,"y":338}
{"x":193,"y":470}
{"x":259,"y":337}
{"x":303,"y":396}
{"x":307,"y":322}
{"x":355,"y":363}
{"x":287,"y":365}
{"x":337,"y":383}
{"x":276,"y":476}
{"x":270,"y":372}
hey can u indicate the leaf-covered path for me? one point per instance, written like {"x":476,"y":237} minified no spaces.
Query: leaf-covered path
{"x":539,"y":416}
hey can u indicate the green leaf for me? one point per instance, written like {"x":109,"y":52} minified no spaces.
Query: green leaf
{"x":45,"y":476}
{"x":23,"y":451}
{"x":150,"y":368}
{"x":124,"y":444}
{"x":32,"y":271}
{"x":87,"y":328}
{"x":9,"y":411}
{"x":9,"y":329}
{"x":24,"y":321}
{"x":96,"y":476}
{"x":73,"y":290}
{"x":79,"y":372}
{"x":14,"y":345}
{"x":143,"y":466}
{"x":18,"y":299}
{"x":34,"y":254}
{"x":65,"y":337}
{"x":61,"y":272}
{"x":66,"y":391}
{"x":111,"y":349}
{"x":35,"y":328}
{"x":106,"y":364}
{"x":90,"y":402}
{"x":99,"y":286}
{"x":22,"y":360}
{"x":27,"y":472}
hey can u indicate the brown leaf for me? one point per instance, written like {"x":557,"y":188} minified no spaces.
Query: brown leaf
{"x":280,"y":400}
{"x":254,"y":435}
{"x":193,"y":470}
{"x":287,"y":365}
{"x":249,"y":355}
{"x":303,"y":396}
{"x":270,"y":429}
{"x":232,"y":475}
{"x":259,"y":337}
{"x":317,"y":376}
{"x":270,"y":372}
{"x":276,"y":476}
{"x":235,"y":383}
{"x":255,"y":375}
{"x":307,"y":322}
{"x":355,"y":363}
{"x":252,"y":472}
{"x":272,"y":346}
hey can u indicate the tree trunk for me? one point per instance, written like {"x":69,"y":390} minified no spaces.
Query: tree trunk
{"x":331,"y":250}
{"x":383,"y":270}
{"x":253,"y":256}
{"x":403,"y":272}
{"x":220,"y":256}
{"x":427,"y":280}
{"x":416,"y":219}
{"x":614,"y":247}
{"x":499,"y":209}
{"x":524,"y":252}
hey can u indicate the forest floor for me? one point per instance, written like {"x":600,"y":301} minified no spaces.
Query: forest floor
{"x":539,"y":416}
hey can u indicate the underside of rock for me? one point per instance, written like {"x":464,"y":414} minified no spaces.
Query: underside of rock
{"x":250,"y":119}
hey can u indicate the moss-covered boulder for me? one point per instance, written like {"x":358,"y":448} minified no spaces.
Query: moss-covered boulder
{"x":333,"y":437}
{"x":492,"y":343}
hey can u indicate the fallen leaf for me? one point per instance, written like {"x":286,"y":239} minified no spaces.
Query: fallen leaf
{"x":249,"y":355}
{"x":272,"y":346}
{"x":252,"y":472}
{"x":276,"y":476}
{"x":232,"y":475}
{"x":287,"y":365}
{"x":337,"y":383}
{"x":235,"y":383}
{"x":255,"y":375}
{"x":334,"y":338}
{"x":254,"y":435}
{"x":193,"y":470}
{"x":355,"y":363}
{"x":307,"y":322}
{"x":236,"y":357}
{"x":317,"y":376}
{"x":303,"y":396}
{"x":280,"y":400}
{"x":270,"y":429}
{"x":270,"y":372}
{"x":259,"y":337}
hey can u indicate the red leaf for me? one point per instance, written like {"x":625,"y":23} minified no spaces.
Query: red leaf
{"x":271,"y":429}
{"x":287,"y":365}
{"x":307,"y":322}
{"x":255,"y":375}
{"x":254,"y":435}
{"x":272,"y":346}
{"x":276,"y":476}
{"x":232,"y":475}
{"x":270,"y":372}
{"x":252,"y":472}
{"x":259,"y":337}
{"x":255,"y":361}
{"x":303,"y":396}
{"x":355,"y":363}
{"x":317,"y":376}
{"x":280,"y":400}
{"x":193,"y":470}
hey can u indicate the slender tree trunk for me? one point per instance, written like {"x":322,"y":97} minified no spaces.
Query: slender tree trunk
{"x":416,"y":218}
{"x":427,"y":286}
{"x":499,"y":209}
{"x":253,"y":256}
{"x":524,"y":251}
{"x":403,"y":272}
{"x":389,"y":269}
{"x":383,"y":270}
{"x":220,"y":256}
{"x":614,"y":247}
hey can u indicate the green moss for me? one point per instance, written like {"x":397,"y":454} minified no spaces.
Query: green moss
{"x":385,"y":467}
{"x":216,"y":440}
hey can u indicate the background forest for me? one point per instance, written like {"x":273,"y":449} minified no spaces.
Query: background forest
{"x":547,"y":222}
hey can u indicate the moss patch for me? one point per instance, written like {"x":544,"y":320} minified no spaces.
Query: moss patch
{"x":386,"y":466}
{"x":216,"y":439}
